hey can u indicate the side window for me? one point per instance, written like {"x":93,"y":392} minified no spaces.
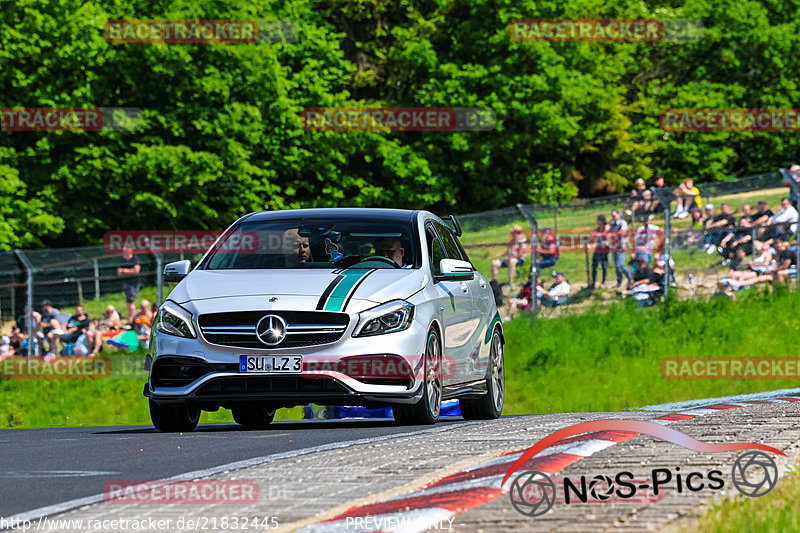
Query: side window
{"x":451,"y":244}
{"x":435,"y":250}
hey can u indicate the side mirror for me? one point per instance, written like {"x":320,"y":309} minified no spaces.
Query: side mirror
{"x":174,"y":272}
{"x":455,"y":270}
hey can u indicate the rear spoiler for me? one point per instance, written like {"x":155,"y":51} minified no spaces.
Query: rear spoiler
{"x":456,"y":226}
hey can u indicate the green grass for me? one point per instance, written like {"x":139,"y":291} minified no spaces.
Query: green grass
{"x":610,"y":360}
{"x":777,"y":511}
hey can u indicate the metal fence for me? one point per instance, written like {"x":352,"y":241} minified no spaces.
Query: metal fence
{"x":70,"y":276}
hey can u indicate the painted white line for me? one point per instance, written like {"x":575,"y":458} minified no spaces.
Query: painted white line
{"x":689,"y":404}
{"x":29,"y":474}
{"x":57,"y":508}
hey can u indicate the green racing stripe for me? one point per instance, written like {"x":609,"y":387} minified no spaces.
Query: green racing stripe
{"x":339,"y":296}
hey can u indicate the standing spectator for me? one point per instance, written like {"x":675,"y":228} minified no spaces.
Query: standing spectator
{"x":51,"y":328}
{"x":600,"y":255}
{"x":792,"y":174}
{"x":687,"y":196}
{"x":618,"y":242}
{"x":547,"y":253}
{"x":635,"y":197}
{"x":129,"y":270}
{"x":717,"y":227}
{"x":515,"y":254}
{"x":557,"y":294}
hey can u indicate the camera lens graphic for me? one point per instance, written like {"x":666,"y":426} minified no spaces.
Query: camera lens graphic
{"x":532,"y":493}
{"x":754,"y":474}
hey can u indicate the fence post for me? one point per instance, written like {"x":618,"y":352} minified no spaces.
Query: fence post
{"x":534,"y":272}
{"x":96,"y":279}
{"x":665,"y":200}
{"x":795,"y":187}
{"x":33,"y":346}
{"x":159,"y":279}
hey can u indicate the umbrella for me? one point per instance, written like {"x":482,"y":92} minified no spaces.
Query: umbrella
{"x":126,"y":339}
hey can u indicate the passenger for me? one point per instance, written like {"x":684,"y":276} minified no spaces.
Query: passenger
{"x":295,"y":248}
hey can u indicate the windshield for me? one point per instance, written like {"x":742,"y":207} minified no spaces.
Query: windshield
{"x":316,"y":243}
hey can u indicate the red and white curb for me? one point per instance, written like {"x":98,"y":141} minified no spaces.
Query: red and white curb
{"x":434,"y":506}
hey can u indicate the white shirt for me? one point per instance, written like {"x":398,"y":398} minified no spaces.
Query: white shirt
{"x":561,"y":288}
{"x":786,"y":215}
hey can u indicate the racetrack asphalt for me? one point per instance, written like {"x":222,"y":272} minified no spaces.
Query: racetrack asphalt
{"x":42,"y":467}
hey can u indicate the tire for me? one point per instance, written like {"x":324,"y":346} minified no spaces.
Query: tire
{"x":490,"y":406}
{"x":426,"y":410}
{"x":171,"y":418}
{"x":254,"y":416}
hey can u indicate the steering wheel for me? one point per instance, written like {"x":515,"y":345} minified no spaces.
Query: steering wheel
{"x":380,"y":258}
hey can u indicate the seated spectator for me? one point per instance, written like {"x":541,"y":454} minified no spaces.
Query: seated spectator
{"x":515,"y":254}
{"x":52,"y":328}
{"x":22,"y":331}
{"x":77,"y":325}
{"x":110,"y":321}
{"x":787,"y":261}
{"x":522,"y":300}
{"x":646,"y":206}
{"x":643,"y":275}
{"x":736,"y":238}
{"x":644,"y":244}
{"x":687,"y":196}
{"x":717,"y":227}
{"x":6,"y":350}
{"x":787,"y":214}
{"x":547,"y":253}
{"x":16,"y":339}
{"x":143,"y":321}
{"x":694,"y":236}
{"x":635,"y":197}
{"x":557,"y":294}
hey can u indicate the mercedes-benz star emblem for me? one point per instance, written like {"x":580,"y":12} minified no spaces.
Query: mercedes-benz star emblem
{"x":271,"y":330}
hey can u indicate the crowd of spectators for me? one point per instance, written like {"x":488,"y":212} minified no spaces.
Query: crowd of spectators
{"x":766,"y":235}
{"x":58,"y":334}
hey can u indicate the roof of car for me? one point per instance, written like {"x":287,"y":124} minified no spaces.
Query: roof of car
{"x":365,"y":213}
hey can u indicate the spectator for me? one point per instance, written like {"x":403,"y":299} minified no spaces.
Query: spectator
{"x":144,"y":320}
{"x":6,"y":350}
{"x":644,"y":243}
{"x":129,"y":271}
{"x":787,"y":261}
{"x":761,"y":216}
{"x":600,"y":255}
{"x":646,"y":206}
{"x":618,"y":240}
{"x":694,"y":236}
{"x":787,"y":214}
{"x":742,"y":273}
{"x":52,"y":329}
{"x":643,"y":275}
{"x":717,"y":227}
{"x":658,"y":181}
{"x":16,"y":339}
{"x":515,"y":254}
{"x":635,"y":197}
{"x":557,"y":294}
{"x":22,"y":331}
{"x":733,"y":240}
{"x":76,"y":326}
{"x":547,"y":254}
{"x":687,"y":196}
{"x":110,"y":322}
{"x":523,"y":299}
{"x":792,"y":174}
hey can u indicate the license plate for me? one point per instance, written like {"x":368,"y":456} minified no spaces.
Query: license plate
{"x":271,"y":364}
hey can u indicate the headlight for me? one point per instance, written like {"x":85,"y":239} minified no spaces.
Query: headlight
{"x":175,"y":320}
{"x":386,"y":318}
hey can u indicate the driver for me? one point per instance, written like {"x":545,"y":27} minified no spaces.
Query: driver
{"x":295,"y":248}
{"x":390,"y":248}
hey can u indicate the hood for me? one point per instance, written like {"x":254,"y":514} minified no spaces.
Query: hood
{"x":308,"y":289}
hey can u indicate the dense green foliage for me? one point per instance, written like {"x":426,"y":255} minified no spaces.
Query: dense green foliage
{"x":223,"y":134}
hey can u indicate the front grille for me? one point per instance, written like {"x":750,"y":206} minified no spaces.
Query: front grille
{"x":270,"y":384}
{"x":169,"y":371}
{"x":304,"y":328}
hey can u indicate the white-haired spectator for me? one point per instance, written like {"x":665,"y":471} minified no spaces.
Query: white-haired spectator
{"x":787,"y":214}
